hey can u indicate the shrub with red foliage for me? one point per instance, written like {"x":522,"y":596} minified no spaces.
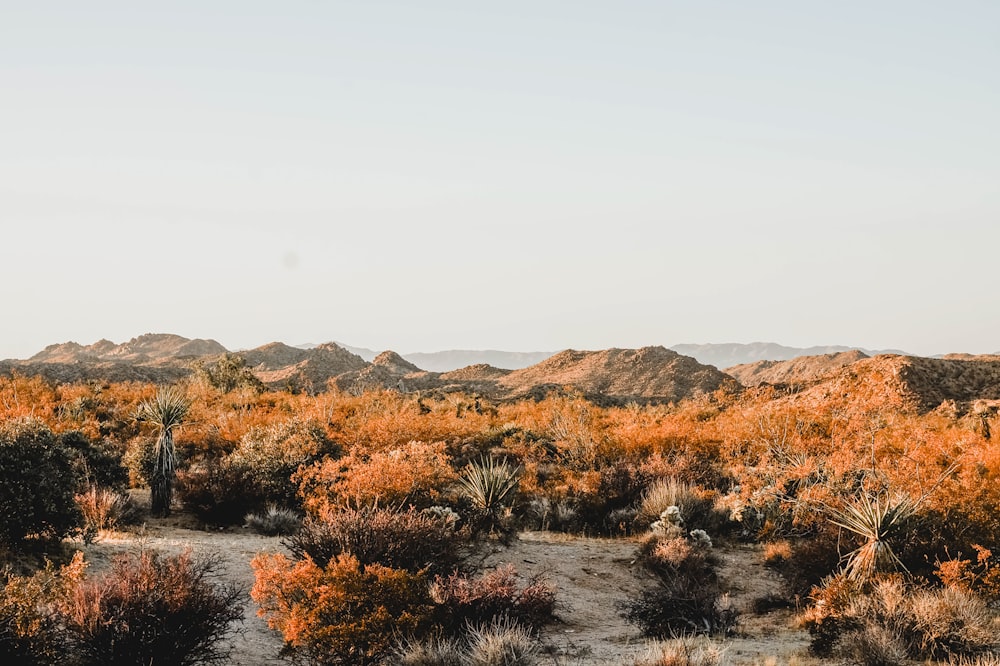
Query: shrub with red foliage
{"x":151,"y":609}
{"x":465,"y":600}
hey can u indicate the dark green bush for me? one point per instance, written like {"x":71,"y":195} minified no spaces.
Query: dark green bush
{"x":97,"y":463}
{"x":37,"y":485}
{"x":219,"y":492}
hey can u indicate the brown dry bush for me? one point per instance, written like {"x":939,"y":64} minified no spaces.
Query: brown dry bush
{"x":479,"y":600}
{"x":152,"y":609}
{"x":30,"y":631}
{"x":888,"y":621}
{"x":411,"y":540}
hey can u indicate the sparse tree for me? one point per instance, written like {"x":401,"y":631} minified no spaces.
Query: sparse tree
{"x":166,"y":411}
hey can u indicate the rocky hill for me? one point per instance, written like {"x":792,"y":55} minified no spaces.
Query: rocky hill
{"x":649,"y":373}
{"x":148,"y":347}
{"x":615,"y":375}
{"x":800,"y":371}
{"x":913,"y":383}
{"x":727,"y":355}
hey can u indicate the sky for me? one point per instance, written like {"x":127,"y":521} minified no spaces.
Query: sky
{"x":520,"y":175}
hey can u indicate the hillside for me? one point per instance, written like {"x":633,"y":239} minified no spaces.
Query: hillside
{"x":727,"y":355}
{"x":911,"y":383}
{"x":650,"y":373}
{"x":797,"y":371}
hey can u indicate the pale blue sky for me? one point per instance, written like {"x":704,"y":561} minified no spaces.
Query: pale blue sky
{"x":517,"y":175}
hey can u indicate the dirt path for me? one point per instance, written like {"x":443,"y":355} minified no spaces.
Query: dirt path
{"x":591,"y":576}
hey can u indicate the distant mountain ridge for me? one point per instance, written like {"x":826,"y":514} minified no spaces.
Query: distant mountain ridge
{"x":957,"y":382}
{"x":729,"y":354}
{"x":650,"y":374}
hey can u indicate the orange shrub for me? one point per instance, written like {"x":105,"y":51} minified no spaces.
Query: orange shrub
{"x":343,"y":614}
{"x":416,"y":474}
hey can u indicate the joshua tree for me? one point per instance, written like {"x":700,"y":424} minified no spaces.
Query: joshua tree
{"x":166,"y":411}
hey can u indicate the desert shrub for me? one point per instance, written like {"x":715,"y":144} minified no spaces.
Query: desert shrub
{"x":343,"y":613}
{"x":228,"y":373}
{"x":218,"y":492}
{"x":414,"y":474}
{"x":890,"y":621}
{"x":981,"y":577}
{"x":496,"y":594}
{"x":678,"y":607}
{"x":268,"y":457}
{"x":139,"y":460}
{"x":410,"y":540}
{"x":683,"y":651}
{"x":687,"y":598}
{"x":152,"y":609}
{"x":37,"y":484}
{"x":501,"y":642}
{"x":777,"y":553}
{"x":697,"y":506}
{"x":97,"y":463}
{"x":811,"y":560}
{"x":105,"y":509}
{"x":29,"y":627}
{"x":274,"y":521}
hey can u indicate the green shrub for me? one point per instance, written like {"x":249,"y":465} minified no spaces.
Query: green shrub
{"x":218,"y":492}
{"x":97,"y":463}
{"x":37,"y":485}
{"x":152,"y":610}
{"x":270,"y":456}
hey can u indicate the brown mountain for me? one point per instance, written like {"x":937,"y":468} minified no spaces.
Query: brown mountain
{"x":148,"y":347}
{"x":614,"y":375}
{"x":651,"y":374}
{"x":277,"y":365}
{"x":911,"y":382}
{"x":799,"y":371}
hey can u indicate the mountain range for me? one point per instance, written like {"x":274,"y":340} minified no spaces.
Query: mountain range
{"x":960,"y":382}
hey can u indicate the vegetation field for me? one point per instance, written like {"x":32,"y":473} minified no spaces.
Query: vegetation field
{"x":847,"y":519}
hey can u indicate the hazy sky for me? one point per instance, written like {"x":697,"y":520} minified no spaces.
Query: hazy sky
{"x":511,"y":175}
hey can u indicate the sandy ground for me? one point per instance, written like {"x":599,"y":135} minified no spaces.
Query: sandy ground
{"x":591,"y":577}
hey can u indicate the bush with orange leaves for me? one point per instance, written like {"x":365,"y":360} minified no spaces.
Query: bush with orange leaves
{"x":344,"y":613}
{"x":415,"y":474}
{"x":29,"y":626}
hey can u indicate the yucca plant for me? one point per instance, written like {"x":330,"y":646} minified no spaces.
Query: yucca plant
{"x":490,"y":486}
{"x":165,"y":411}
{"x":875,"y":519}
